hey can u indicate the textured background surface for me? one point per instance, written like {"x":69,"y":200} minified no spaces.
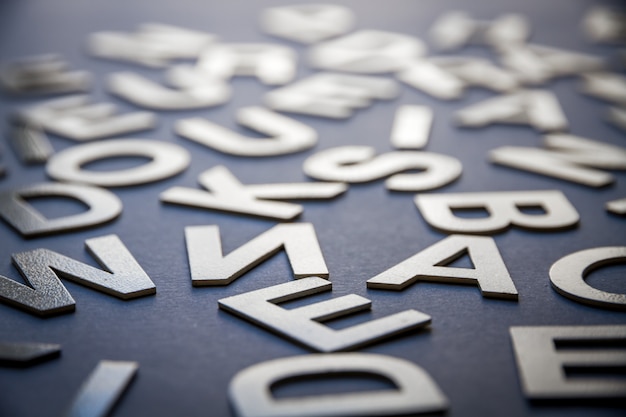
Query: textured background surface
{"x":188,"y":350}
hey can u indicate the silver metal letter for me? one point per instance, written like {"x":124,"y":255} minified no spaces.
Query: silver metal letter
{"x":105,"y":385}
{"x":411,"y":127}
{"x":230,"y":195}
{"x":503,"y":208}
{"x":455,"y":29}
{"x":103,"y":206}
{"x":356,"y":164}
{"x":568,"y":157}
{"x":536,"y":64}
{"x":153,"y":44}
{"x":608,"y":86}
{"x":273,"y":64}
{"x":367,"y":52}
{"x":425,"y":76}
{"x":537,"y":108}
{"x":446,"y":77}
{"x":31,"y":144}
{"x":617,"y":206}
{"x":304,"y":324}
{"x":307,"y":23}
{"x":617,"y":116}
{"x":331,"y":95}
{"x":43,"y":74}
{"x":74,"y":118}
{"x":286,"y":135}
{"x":542,"y":364}
{"x":26,"y":354}
{"x":144,"y":92}
{"x":167,"y":160}
{"x":415,"y":392}
{"x":210,"y":267}
{"x":489,"y":272}
{"x":40,"y":268}
{"x":603,"y":24}
{"x":567,"y":276}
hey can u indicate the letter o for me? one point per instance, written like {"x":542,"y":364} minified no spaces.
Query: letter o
{"x":167,"y":160}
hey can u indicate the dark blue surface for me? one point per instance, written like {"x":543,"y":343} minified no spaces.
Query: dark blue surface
{"x":188,"y":350}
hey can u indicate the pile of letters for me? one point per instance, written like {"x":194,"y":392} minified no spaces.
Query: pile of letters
{"x":198,"y":68}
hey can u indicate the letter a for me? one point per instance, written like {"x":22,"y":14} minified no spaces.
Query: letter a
{"x":489,"y":271}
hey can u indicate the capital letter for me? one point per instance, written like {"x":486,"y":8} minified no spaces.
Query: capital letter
{"x":209,"y":267}
{"x":226,"y":193}
{"x":273,"y":64}
{"x":304,"y":325}
{"x":416,"y":392}
{"x":166,"y":160}
{"x":568,"y":157}
{"x":307,"y":23}
{"x":489,"y":271}
{"x":104,"y":386}
{"x":287,"y":135}
{"x":146,"y":93}
{"x":542,"y":364}
{"x":41,"y":268}
{"x":367,"y":51}
{"x":77,"y":119}
{"x":503,"y":208}
{"x":355,"y":164}
{"x":331,"y":95}
{"x":537,"y":108}
{"x":103,"y":206}
{"x":568,"y":276}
